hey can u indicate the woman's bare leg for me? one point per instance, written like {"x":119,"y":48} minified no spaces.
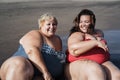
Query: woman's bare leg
{"x":17,"y":68}
{"x":112,"y":71}
{"x":84,"y":70}
{"x":0,"y":73}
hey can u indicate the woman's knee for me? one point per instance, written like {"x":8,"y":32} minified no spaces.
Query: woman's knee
{"x":117,"y":75}
{"x":84,"y":65}
{"x":18,"y":63}
{"x":16,"y":66}
{"x":89,"y":65}
{"x":95,"y":71}
{"x":95,"y":68}
{"x":22,"y":64}
{"x":82,"y":69}
{"x":112,"y":70}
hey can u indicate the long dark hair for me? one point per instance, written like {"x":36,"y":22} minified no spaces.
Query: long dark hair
{"x":76,"y":21}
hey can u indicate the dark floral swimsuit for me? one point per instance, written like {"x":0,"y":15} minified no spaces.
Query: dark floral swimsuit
{"x":54,"y":59}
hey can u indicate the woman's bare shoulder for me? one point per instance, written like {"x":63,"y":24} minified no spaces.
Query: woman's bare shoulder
{"x":34,"y":32}
{"x":76,"y":35}
{"x":32,"y":36}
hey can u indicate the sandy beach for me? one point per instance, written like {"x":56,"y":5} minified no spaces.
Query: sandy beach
{"x":17,"y":18}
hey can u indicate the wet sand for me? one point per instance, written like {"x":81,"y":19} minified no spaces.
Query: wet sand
{"x":16,"y":19}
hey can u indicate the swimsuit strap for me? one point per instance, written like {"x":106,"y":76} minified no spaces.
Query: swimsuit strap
{"x":48,"y":50}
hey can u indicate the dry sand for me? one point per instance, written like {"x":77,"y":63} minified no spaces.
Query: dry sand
{"x":16,"y":19}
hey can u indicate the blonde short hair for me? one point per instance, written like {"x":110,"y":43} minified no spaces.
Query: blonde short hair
{"x":46,"y":16}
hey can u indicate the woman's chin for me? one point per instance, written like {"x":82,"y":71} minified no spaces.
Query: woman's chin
{"x":84,"y":31}
{"x":51,"y":34}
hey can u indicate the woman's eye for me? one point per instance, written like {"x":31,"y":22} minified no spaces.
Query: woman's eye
{"x":54,"y":24}
{"x":87,"y":21}
{"x":48,"y":24}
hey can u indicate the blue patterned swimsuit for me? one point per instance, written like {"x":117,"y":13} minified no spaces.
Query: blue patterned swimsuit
{"x":54,"y":59}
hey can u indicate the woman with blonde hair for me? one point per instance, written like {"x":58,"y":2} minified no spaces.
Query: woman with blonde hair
{"x":40,"y":54}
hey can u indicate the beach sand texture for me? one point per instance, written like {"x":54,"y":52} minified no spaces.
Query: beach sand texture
{"x":18,"y":18}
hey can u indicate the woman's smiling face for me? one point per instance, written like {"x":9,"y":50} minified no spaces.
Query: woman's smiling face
{"x":84,"y":24}
{"x":49,"y":27}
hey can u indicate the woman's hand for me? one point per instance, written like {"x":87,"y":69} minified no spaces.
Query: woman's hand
{"x":88,"y":36}
{"x":47,"y":76}
{"x":102,"y":45}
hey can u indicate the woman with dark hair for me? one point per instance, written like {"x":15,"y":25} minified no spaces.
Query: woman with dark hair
{"x":87,"y":54}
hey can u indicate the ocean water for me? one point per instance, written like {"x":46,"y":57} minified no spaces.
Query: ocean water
{"x":113,"y":40}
